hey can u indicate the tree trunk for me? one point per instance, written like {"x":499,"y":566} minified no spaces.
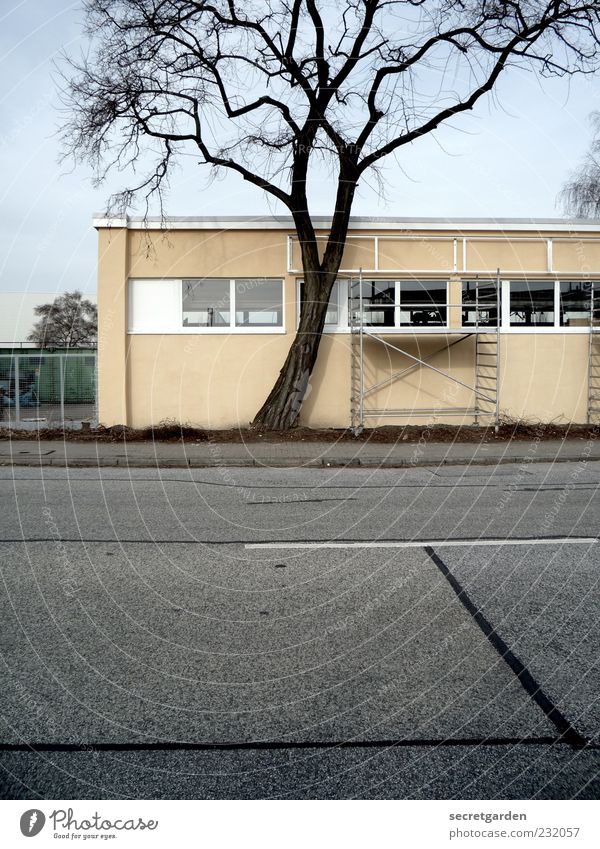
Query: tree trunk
{"x":282,"y":408}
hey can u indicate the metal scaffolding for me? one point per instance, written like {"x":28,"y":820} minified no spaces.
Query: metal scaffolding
{"x":593,"y":410}
{"x":485,"y":328}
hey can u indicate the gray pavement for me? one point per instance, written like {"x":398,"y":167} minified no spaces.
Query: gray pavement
{"x":228,"y":505}
{"x":291,"y":454}
{"x":138,"y":631}
{"x":420,"y":772}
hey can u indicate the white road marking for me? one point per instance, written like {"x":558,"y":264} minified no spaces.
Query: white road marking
{"x":434,"y":543}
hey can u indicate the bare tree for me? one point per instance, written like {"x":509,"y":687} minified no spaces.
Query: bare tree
{"x":269,"y":88}
{"x":581,"y":194}
{"x":69,"y":321}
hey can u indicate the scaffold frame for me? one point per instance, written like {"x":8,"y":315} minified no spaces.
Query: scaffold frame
{"x":593,"y":404}
{"x":486,"y":389}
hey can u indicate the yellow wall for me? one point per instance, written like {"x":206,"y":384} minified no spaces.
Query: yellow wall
{"x":206,"y":253}
{"x":544,"y":376}
{"x":216,"y":381}
{"x":113,"y":272}
{"x":221,"y":380}
{"x":507,"y":254}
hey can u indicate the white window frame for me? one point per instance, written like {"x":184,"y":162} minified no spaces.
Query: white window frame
{"x":167,"y":321}
{"x":343,"y":308}
{"x":505,"y":325}
{"x":410,"y":328}
{"x":556,"y":327}
{"x":470,"y":328}
{"x":179,"y":329}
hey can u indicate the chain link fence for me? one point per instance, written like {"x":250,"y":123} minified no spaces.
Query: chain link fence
{"x":48,"y":390}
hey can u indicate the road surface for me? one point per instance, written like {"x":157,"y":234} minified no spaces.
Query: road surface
{"x":303,"y":633}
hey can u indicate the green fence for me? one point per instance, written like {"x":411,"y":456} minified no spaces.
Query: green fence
{"x":44,"y":389}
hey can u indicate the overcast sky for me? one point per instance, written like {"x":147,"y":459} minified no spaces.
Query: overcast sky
{"x":508,"y":159}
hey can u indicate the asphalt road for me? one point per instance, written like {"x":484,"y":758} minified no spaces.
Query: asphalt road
{"x":185,"y":634}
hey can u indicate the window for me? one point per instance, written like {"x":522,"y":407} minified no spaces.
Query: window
{"x":332,"y":317}
{"x":258,"y":303}
{"x":575,"y":303}
{"x":479,"y":297}
{"x":531,"y":303}
{"x":524,"y":304}
{"x":404,"y":303}
{"x":154,"y":306}
{"x":378,"y":301}
{"x":205,"y":303}
{"x":423,"y":303}
{"x":224,"y":303}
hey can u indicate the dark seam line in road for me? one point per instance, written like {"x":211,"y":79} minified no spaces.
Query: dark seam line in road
{"x":581,"y":487}
{"x":189,"y":482}
{"x":274,"y":745}
{"x":526,"y":679}
{"x":287,"y":501}
{"x":324,"y":487}
{"x":341,"y":540}
{"x":592,"y":488}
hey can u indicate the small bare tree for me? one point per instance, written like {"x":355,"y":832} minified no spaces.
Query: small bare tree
{"x":581,"y":194}
{"x":268,"y":88}
{"x":69,"y":321}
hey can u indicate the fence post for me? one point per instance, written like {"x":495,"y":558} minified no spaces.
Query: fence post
{"x":62,"y":391}
{"x":96,"y":407}
{"x":17,"y":388}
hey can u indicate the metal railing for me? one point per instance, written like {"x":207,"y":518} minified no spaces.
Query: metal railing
{"x":48,"y":390}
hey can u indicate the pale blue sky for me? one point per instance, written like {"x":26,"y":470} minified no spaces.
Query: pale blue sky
{"x":508,"y":159}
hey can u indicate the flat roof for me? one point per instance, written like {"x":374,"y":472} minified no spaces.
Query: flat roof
{"x":322,"y":222}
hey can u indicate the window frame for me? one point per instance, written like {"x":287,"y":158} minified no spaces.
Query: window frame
{"x":556,"y":327}
{"x":203,"y":329}
{"x":343,"y":305}
{"x":433,"y":328}
{"x":175,"y":327}
{"x":505,"y":325}
{"x":483,"y":281}
{"x":531,"y":328}
{"x":580,"y":327}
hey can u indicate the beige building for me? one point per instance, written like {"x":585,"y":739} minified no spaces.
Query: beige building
{"x":430,"y":320}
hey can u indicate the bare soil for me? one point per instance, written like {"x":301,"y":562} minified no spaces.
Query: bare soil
{"x":413,"y":433}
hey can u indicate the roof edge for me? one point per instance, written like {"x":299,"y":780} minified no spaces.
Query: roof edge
{"x":323,"y":222}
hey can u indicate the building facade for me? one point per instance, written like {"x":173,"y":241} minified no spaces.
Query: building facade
{"x":449,"y":321}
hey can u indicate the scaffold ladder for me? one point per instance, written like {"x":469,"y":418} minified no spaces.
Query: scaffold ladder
{"x":487,"y":356}
{"x":355,"y":319}
{"x":594,"y":355}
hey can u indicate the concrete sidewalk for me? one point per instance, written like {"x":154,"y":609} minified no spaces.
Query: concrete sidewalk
{"x":291,"y":454}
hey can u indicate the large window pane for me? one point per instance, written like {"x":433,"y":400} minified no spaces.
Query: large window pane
{"x":332,"y":316}
{"x":423,"y":303}
{"x":258,"y":303}
{"x":206,"y":303}
{"x":479,"y":298}
{"x":575,"y":303}
{"x":531,"y":303}
{"x":378,"y":297}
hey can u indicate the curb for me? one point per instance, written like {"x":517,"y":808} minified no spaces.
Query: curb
{"x":291,"y":463}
